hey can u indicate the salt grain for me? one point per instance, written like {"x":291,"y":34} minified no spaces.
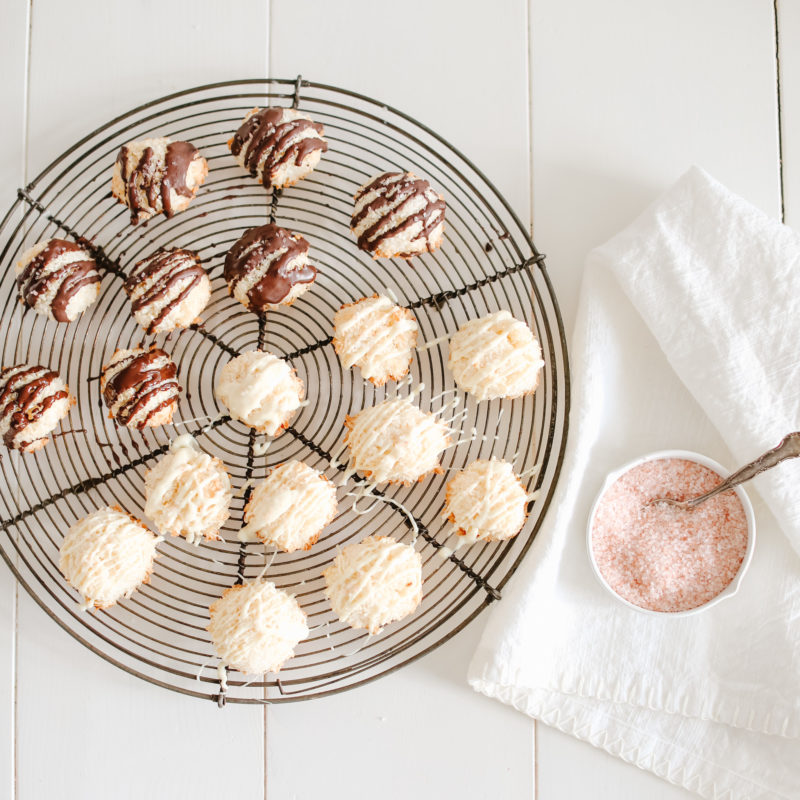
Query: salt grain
{"x":661,"y":557}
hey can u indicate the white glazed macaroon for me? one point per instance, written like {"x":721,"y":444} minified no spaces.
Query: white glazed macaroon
{"x":255,"y":627}
{"x":374,"y":582}
{"x":486,"y":501}
{"x":279,"y":146}
{"x":377,"y":336}
{"x":155,"y":176}
{"x":260,"y":390}
{"x":395,"y":442}
{"x":290,"y":508}
{"x":268,"y":267}
{"x":168,"y":290}
{"x":495,"y":356}
{"x":140,"y":387}
{"x":398,"y":215}
{"x":58,"y":279}
{"x":33,"y":400}
{"x":107,"y":556}
{"x":188,"y":492}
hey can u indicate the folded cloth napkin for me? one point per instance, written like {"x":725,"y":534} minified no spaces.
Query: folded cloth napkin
{"x":688,"y":336}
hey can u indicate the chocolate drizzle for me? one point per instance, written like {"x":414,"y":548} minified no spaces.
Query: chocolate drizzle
{"x":267,"y":133}
{"x":162,"y":271}
{"x":394,"y":191}
{"x":21,"y":390}
{"x":254,"y":252}
{"x":36,"y":280}
{"x":178,"y":158}
{"x":151,"y":179}
{"x":136,"y":372}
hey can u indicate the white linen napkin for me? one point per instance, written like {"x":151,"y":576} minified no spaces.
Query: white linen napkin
{"x":688,"y":336}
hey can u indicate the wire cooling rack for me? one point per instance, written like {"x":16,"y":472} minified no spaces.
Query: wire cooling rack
{"x":487,"y":262}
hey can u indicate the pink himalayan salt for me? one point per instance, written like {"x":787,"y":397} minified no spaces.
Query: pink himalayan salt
{"x":660,"y":557}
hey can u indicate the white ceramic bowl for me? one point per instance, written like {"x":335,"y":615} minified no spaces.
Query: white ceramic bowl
{"x":733,"y":586}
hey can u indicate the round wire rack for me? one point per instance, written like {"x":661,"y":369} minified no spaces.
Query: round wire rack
{"x":487,"y":262}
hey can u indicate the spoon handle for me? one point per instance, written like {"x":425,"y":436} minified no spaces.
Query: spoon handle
{"x":789,"y":447}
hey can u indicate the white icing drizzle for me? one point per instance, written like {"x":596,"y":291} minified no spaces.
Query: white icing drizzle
{"x":374,"y":582}
{"x":245,"y":486}
{"x":365,"y":489}
{"x":290,"y":508}
{"x":474,"y":435}
{"x":433,"y":342}
{"x":495,"y":356}
{"x":269,"y":557}
{"x":188,"y":492}
{"x":376,"y":335}
{"x":534,"y":470}
{"x":395,"y":441}
{"x":486,"y":501}
{"x":261,"y":390}
{"x":222,"y":674}
{"x":106,"y":556}
{"x":360,"y":644}
{"x":260,"y":448}
{"x":256,"y":626}
{"x":177,"y":422}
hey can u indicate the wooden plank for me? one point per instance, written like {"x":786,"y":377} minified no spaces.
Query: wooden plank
{"x":13,"y":67}
{"x":463,"y":73}
{"x":89,"y":62}
{"x":625,"y":97}
{"x":421,"y":732}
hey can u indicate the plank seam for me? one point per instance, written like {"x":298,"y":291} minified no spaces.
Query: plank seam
{"x":778,"y":103}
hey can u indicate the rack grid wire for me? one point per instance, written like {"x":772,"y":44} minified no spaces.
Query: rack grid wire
{"x":487,"y":263}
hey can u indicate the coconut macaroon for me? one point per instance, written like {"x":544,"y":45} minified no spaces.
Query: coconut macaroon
{"x":290,"y":508}
{"x":168,"y":290}
{"x":155,"y":176}
{"x":255,"y":627}
{"x":187,"y":493}
{"x":279,"y":146}
{"x":107,"y":556}
{"x":33,"y":400}
{"x":395,"y":442}
{"x":260,"y":390}
{"x":377,"y":336}
{"x":140,"y":387}
{"x":495,"y":356}
{"x":268,"y":267}
{"x":374,"y":582}
{"x":486,"y":501}
{"x":58,"y":279}
{"x":398,"y":215}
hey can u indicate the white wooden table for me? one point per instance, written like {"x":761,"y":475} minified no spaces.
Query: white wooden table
{"x":581,"y":112}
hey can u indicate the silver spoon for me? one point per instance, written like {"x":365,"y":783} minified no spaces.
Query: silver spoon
{"x":788,"y":448}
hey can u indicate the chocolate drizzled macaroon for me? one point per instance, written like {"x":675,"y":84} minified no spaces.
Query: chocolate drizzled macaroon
{"x":140,"y":387}
{"x":58,"y":279}
{"x":279,"y":146}
{"x":168,"y":290}
{"x":157,"y":176}
{"x":33,"y":400}
{"x":398,"y":215}
{"x":268,"y":267}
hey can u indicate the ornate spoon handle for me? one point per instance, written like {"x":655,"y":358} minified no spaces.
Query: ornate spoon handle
{"x":788,"y":448}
